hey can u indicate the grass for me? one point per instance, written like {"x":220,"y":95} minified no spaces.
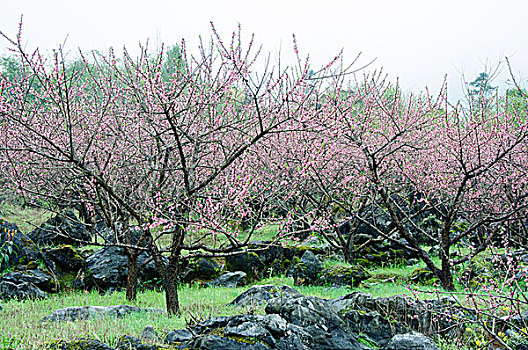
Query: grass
{"x":27,"y":219}
{"x":21,"y":329}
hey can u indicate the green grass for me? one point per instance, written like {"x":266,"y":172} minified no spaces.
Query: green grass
{"x":21,"y":326}
{"x":27,"y":219}
{"x":20,"y":319}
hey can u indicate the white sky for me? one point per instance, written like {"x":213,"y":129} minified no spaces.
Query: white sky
{"x":418,"y":41}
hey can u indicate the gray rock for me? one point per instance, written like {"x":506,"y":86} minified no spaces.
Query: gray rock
{"x":79,"y":313}
{"x":85,"y":344}
{"x":372,"y":325}
{"x":64,"y":228}
{"x":264,"y":328}
{"x":149,"y":334}
{"x":108,"y":267}
{"x":411,"y":341}
{"x":229,"y":280}
{"x":325,"y":328}
{"x":405,"y":314}
{"x":42,"y":279}
{"x":214,"y":342}
{"x":306,"y":272}
{"x":201,"y":269}
{"x":179,"y":336}
{"x":131,"y":343}
{"x":343,"y":276}
{"x":250,"y":263}
{"x":20,"y":290}
{"x":306,"y":311}
{"x":66,"y":257}
{"x":258,"y":295}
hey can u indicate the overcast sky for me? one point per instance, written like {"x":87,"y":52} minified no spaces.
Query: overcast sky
{"x":418,"y":41}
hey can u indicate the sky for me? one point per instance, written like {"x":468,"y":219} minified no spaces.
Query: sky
{"x":417,"y":42}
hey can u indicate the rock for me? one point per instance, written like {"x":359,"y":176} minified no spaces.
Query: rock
{"x":84,"y":344}
{"x":21,"y":291}
{"x":258,"y":295}
{"x":131,"y":343}
{"x":404,"y":314}
{"x":148,"y":334}
{"x":66,"y":257}
{"x":423,"y":276}
{"x":229,"y":280}
{"x":277,"y":259}
{"x":269,"y":254}
{"x":343,"y":276}
{"x":179,"y":336}
{"x":324,"y":328}
{"x":411,"y":341}
{"x":64,"y":228}
{"x":371,"y":324}
{"x":268,"y":332}
{"x":306,"y":272}
{"x":79,"y":313}
{"x":108,"y":267}
{"x":214,"y":342}
{"x":249,"y":262}
{"x":41,"y":279}
{"x":24,"y":249}
{"x":201,"y":269}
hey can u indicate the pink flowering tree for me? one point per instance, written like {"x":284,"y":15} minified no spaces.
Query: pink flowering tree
{"x":170,"y":144}
{"x":410,"y":157}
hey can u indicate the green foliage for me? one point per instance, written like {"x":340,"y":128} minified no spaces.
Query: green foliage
{"x":481,"y":86}
{"x":10,"y":67}
{"x":8,"y":247}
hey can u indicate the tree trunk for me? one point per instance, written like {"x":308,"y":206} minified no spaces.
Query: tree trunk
{"x":132,"y":276}
{"x":171,"y":286}
{"x":445,"y":276}
{"x":169,"y":274}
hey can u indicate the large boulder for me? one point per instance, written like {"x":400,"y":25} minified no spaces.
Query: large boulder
{"x":258,"y":295}
{"x":306,"y":272}
{"x":80,"y":313}
{"x":248,"y":262}
{"x":405,"y":314}
{"x":20,"y":291}
{"x":64,"y":228}
{"x":343,"y":276}
{"x":66,"y":258}
{"x":40,"y":278}
{"x":260,"y":332}
{"x":201,"y":269}
{"x":108,"y":267}
{"x":411,"y":341}
{"x":229,"y":280}
{"x":322,"y":327}
{"x":23,"y":249}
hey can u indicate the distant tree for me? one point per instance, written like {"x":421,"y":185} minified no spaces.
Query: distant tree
{"x":10,"y":67}
{"x":480,"y":92}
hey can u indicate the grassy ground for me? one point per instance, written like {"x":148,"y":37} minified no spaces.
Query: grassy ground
{"x":20,"y":327}
{"x":27,"y":219}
